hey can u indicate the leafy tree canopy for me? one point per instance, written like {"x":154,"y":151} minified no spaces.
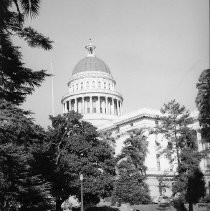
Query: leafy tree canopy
{"x":74,"y":147}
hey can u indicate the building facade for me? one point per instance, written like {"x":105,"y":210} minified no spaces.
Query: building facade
{"x":92,"y":92}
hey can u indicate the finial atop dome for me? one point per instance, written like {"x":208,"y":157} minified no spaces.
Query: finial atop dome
{"x":90,"y":49}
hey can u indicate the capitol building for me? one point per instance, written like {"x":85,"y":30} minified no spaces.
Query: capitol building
{"x":92,"y":92}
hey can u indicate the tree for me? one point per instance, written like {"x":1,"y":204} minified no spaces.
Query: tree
{"x":21,"y":188}
{"x":16,"y":80}
{"x":130,"y":183}
{"x":175,"y":127}
{"x":203,"y":104}
{"x":75,"y":148}
{"x":189,"y":184}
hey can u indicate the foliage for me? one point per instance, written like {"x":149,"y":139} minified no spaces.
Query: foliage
{"x":182,"y":148}
{"x":16,"y":80}
{"x":104,"y":208}
{"x":20,"y":186}
{"x":189,"y":184}
{"x":174,"y":126}
{"x":203,"y":103}
{"x":130,"y":184}
{"x":74,"y":147}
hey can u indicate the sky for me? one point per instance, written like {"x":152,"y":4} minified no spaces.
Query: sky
{"x":155,"y":49}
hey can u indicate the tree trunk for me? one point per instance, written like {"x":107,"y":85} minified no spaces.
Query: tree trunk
{"x":190,"y":206}
{"x":58,"y":205}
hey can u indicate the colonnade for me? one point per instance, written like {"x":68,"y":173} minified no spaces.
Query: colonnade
{"x":94,"y":104}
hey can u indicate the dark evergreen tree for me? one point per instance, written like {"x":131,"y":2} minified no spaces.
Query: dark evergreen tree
{"x":203,"y":104}
{"x":21,"y":188}
{"x":130,"y":185}
{"x":75,"y":148}
{"x":189,"y":184}
{"x":16,"y":80}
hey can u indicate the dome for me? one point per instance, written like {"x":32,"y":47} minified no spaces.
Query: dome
{"x":91,"y":64}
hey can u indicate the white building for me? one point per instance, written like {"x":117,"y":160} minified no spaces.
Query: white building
{"x":92,"y":92}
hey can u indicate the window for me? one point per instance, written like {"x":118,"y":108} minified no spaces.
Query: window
{"x":104,"y":85}
{"x":87,"y":84}
{"x":158,"y":161}
{"x":109,"y":86}
{"x":81,"y":85}
{"x":99,"y":85}
{"x":77,"y":86}
{"x":93,"y":84}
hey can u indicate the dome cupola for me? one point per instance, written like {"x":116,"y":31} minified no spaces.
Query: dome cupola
{"x":91,"y":62}
{"x":92,"y":90}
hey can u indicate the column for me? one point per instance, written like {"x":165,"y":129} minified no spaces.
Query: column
{"x":118,"y":109}
{"x":91,"y":105}
{"x":83,"y":105}
{"x":106,"y":105}
{"x":63,"y":108}
{"x":66,"y":107}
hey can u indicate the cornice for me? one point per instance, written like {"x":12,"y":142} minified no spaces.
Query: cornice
{"x":119,"y":123}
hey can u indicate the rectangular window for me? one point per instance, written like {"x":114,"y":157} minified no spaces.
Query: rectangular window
{"x":158,"y":161}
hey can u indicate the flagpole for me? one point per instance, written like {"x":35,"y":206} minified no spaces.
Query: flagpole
{"x":52,"y":88}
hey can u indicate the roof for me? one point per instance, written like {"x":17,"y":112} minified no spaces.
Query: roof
{"x":91,"y":64}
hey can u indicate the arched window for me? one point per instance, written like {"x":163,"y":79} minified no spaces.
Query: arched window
{"x":99,"y":85}
{"x":87,"y":84}
{"x":93,"y":84}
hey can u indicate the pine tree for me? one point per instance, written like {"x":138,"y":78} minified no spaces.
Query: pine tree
{"x":130,"y":186}
{"x":175,"y":127}
{"x":16,"y":80}
{"x":189,"y":184}
{"x":21,"y":187}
